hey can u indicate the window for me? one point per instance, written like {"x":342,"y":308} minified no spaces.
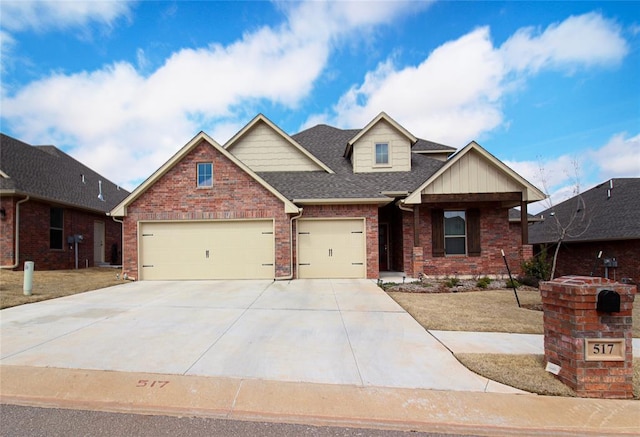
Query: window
{"x":205,"y":174}
{"x":382,"y":153}
{"x":455,"y":233}
{"x":56,"y":227}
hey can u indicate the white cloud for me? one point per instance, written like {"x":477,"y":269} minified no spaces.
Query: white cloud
{"x":620,"y":157}
{"x":456,"y":94}
{"x":39,"y":15}
{"x":127,"y":122}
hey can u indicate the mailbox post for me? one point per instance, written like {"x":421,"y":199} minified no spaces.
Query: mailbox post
{"x":588,"y":334}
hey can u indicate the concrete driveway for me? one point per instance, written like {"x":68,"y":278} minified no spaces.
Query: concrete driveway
{"x":319,"y":331}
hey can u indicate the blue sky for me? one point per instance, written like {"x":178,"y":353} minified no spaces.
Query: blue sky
{"x":551,"y":88}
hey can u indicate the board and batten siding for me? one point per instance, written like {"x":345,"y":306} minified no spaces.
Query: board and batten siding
{"x":262,"y":149}
{"x":473,"y":174}
{"x":363,"y":157}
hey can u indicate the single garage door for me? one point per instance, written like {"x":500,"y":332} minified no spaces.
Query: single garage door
{"x":207,"y":250}
{"x":331,"y":248}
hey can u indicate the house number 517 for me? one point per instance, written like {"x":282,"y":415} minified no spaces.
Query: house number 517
{"x":149,"y":383}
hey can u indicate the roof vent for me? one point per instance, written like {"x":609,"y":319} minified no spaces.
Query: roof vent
{"x":609,"y":194}
{"x":611,"y":184}
{"x":100,"y":196}
{"x":82,"y":177}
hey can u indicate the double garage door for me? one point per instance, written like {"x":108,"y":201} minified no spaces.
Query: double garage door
{"x":207,"y":250}
{"x":245,"y":249}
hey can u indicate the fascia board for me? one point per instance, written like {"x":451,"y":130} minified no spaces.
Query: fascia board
{"x":345,"y":201}
{"x":261,"y":118}
{"x":372,"y":123}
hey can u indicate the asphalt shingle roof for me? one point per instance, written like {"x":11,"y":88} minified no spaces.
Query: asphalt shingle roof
{"x":47,"y":173}
{"x":610,"y":211}
{"x":328,"y":144}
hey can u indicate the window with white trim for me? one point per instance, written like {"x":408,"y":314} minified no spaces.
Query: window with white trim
{"x":205,"y":174}
{"x":382,"y":153}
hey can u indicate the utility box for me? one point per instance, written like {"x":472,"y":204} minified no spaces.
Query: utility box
{"x":588,"y":334}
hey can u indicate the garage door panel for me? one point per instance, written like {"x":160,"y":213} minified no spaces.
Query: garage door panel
{"x":331,"y":249}
{"x":207,"y":250}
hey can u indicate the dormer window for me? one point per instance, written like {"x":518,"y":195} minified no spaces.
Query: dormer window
{"x":382,"y":153}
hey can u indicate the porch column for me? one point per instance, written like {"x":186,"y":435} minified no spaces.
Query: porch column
{"x":416,"y":226}
{"x":524,"y":222}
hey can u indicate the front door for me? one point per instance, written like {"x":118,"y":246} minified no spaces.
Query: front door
{"x":98,"y":243}
{"x":383,"y":246}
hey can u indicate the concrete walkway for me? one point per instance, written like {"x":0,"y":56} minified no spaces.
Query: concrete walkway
{"x":321,"y":352}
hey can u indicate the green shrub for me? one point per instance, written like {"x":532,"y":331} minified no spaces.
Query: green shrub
{"x":452,"y":282}
{"x":483,"y":282}
{"x":512,"y":283}
{"x":537,"y":267}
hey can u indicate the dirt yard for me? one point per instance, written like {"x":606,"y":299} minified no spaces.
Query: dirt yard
{"x":53,"y":283}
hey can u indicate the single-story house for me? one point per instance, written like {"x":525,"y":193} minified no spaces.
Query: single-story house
{"x":48,"y":200}
{"x":602,"y":231}
{"x":325,"y":203}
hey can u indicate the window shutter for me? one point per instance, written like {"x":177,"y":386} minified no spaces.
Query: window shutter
{"x":437,"y":232}
{"x":473,"y":232}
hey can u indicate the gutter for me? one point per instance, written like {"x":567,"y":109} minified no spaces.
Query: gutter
{"x":290,"y":277}
{"x":17,"y":237}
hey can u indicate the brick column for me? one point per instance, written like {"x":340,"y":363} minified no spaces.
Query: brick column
{"x":593,"y":349}
{"x":417,"y":261}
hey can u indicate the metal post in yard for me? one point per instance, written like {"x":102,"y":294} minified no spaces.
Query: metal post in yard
{"x":510,"y":277}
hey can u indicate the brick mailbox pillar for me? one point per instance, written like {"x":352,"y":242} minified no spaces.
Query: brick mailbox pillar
{"x":586,"y":342}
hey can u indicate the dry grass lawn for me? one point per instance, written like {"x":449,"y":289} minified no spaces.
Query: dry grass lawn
{"x":53,"y":283}
{"x":480,"y":311}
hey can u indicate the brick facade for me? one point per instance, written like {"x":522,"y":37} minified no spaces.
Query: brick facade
{"x":580,"y":259}
{"x":234,"y":195}
{"x":34,"y":236}
{"x":496,"y":233}
{"x":571,"y":317}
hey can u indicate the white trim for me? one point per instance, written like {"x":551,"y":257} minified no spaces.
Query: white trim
{"x":345,"y":201}
{"x":382,"y":116}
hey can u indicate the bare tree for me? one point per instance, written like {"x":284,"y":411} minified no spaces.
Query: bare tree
{"x":570,"y":221}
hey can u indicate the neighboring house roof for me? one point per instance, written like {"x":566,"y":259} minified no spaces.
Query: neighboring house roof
{"x":606,"y":212}
{"x":47,"y":173}
{"x":120,"y":210}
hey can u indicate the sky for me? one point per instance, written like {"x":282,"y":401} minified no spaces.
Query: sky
{"x":550,"y":88}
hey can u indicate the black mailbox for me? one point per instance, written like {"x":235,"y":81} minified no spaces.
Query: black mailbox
{"x":608,"y":301}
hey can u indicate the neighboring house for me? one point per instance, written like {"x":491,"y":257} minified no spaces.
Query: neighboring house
{"x":604,"y":218}
{"x":324,"y":203}
{"x":47,"y":198}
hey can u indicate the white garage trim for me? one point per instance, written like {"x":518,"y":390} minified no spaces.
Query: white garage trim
{"x":206,"y":249}
{"x":331,"y":248}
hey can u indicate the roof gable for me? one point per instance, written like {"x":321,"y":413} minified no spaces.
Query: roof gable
{"x":474,"y":170}
{"x":121,"y":209}
{"x":264,"y":147}
{"x":381,"y":117}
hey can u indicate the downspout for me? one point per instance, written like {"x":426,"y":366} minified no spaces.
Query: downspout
{"x":290,"y":277}
{"x":122,"y":234}
{"x":17,"y":237}
{"x":401,"y":206}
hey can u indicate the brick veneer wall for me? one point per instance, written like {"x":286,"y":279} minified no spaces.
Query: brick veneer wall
{"x":496,"y":232}
{"x":570,"y":316}
{"x":34,"y":236}
{"x":234,"y":195}
{"x":580,"y":259}
{"x":368,"y":212}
